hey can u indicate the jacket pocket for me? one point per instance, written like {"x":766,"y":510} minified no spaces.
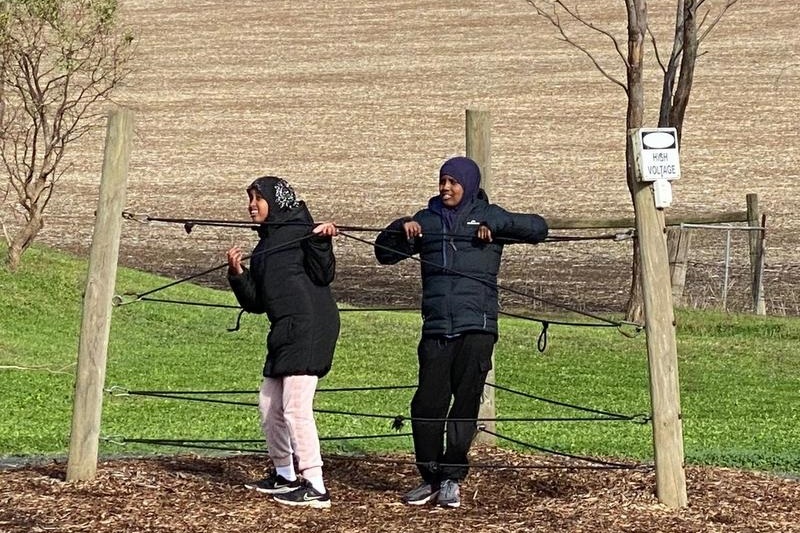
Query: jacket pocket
{"x":280,"y":334}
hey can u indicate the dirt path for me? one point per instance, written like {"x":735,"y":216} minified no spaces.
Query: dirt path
{"x":203,"y":494}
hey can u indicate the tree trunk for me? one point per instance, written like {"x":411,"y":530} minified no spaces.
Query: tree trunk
{"x":22,"y":240}
{"x":634,"y":309}
{"x":637,"y":29}
{"x":680,"y":100}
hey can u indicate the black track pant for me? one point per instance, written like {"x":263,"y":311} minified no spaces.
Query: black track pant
{"x":454,"y":369}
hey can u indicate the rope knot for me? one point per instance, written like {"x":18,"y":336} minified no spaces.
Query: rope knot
{"x":398,"y":422}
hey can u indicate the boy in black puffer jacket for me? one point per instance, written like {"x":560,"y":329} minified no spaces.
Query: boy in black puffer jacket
{"x":460,"y":239}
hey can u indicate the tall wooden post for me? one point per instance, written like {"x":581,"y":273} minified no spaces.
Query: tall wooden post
{"x":96,"y":321}
{"x":756,"y":237}
{"x":479,"y":149}
{"x":662,"y":351}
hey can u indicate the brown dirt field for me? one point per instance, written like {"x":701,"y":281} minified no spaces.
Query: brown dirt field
{"x":357,"y":103}
{"x":205,"y":494}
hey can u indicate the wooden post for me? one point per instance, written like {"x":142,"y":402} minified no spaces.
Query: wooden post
{"x":678,"y":241}
{"x":479,"y":149}
{"x":662,"y":352}
{"x":759,"y":277}
{"x":96,"y":320}
{"x":757,"y":288}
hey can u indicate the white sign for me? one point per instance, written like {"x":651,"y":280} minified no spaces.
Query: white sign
{"x":656,"y":153}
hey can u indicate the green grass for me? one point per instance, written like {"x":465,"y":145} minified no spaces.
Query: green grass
{"x":739,"y":375}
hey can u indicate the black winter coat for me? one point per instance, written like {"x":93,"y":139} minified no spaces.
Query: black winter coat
{"x":452,"y":303}
{"x":290,"y":285}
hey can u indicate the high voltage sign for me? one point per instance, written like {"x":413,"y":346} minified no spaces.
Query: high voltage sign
{"x":656,"y":153}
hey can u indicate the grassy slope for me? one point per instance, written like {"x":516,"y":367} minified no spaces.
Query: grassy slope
{"x":740,"y":375}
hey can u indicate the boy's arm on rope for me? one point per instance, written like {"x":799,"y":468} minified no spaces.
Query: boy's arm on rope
{"x":516,"y":227}
{"x":392,"y":245}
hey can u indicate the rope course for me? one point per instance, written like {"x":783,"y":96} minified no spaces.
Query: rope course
{"x":190,"y":223}
{"x":397,"y":421}
{"x":624,"y":327}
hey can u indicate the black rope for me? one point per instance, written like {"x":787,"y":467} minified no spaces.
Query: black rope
{"x":609,"y":464}
{"x":541,"y":344}
{"x":435,"y":467}
{"x":543,"y":321}
{"x":190,"y":223}
{"x":637,"y":418}
{"x":139,"y":296}
{"x":186,"y":302}
{"x":397,"y":420}
{"x":548,"y":321}
{"x":178,"y":396}
{"x":488,"y":284}
{"x":432,"y":465}
{"x":379,"y":387}
{"x":121,"y":391}
{"x":261,"y":440}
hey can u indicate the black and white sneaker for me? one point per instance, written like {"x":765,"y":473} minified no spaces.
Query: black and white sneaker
{"x":305,"y":496}
{"x":274,"y":484}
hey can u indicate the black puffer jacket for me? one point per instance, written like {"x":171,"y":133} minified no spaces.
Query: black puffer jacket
{"x":290,"y":285}
{"x":452,"y":303}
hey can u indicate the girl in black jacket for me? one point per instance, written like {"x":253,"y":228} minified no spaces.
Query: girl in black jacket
{"x":460,"y":232}
{"x":290,"y":271}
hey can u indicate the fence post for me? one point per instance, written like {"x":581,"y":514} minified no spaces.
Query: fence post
{"x":758,"y":284}
{"x":96,"y":320}
{"x":756,"y":255}
{"x":678,"y":243}
{"x":662,"y":350}
{"x":479,"y":149}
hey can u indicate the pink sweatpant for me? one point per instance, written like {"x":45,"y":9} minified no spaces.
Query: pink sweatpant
{"x":288,"y":422}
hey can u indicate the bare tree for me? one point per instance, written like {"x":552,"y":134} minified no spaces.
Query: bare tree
{"x":58,"y":60}
{"x":678,"y":74}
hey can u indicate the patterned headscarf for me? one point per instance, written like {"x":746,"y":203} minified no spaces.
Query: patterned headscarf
{"x":280,"y":197}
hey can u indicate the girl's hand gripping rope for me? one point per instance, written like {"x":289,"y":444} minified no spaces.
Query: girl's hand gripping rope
{"x":328,"y":229}
{"x":235,"y":261}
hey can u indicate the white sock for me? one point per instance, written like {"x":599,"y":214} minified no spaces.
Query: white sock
{"x":317,"y":483}
{"x":287,"y":472}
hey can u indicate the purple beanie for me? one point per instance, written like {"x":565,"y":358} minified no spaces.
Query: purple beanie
{"x":466,"y":172}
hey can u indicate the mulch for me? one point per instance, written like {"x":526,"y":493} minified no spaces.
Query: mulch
{"x":192,"y":493}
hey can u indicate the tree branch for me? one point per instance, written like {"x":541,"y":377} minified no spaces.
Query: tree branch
{"x":670,"y":72}
{"x":728,"y":4}
{"x":553,"y":18}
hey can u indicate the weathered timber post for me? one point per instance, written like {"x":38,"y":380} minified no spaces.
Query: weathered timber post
{"x":97,"y":298}
{"x":479,"y":149}
{"x":678,"y":242}
{"x":756,"y":255}
{"x":662,"y":351}
{"x":759,"y":274}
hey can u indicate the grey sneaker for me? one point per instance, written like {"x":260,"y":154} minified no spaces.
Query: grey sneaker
{"x":449,"y":494}
{"x":274,"y":484}
{"x":421,"y":495}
